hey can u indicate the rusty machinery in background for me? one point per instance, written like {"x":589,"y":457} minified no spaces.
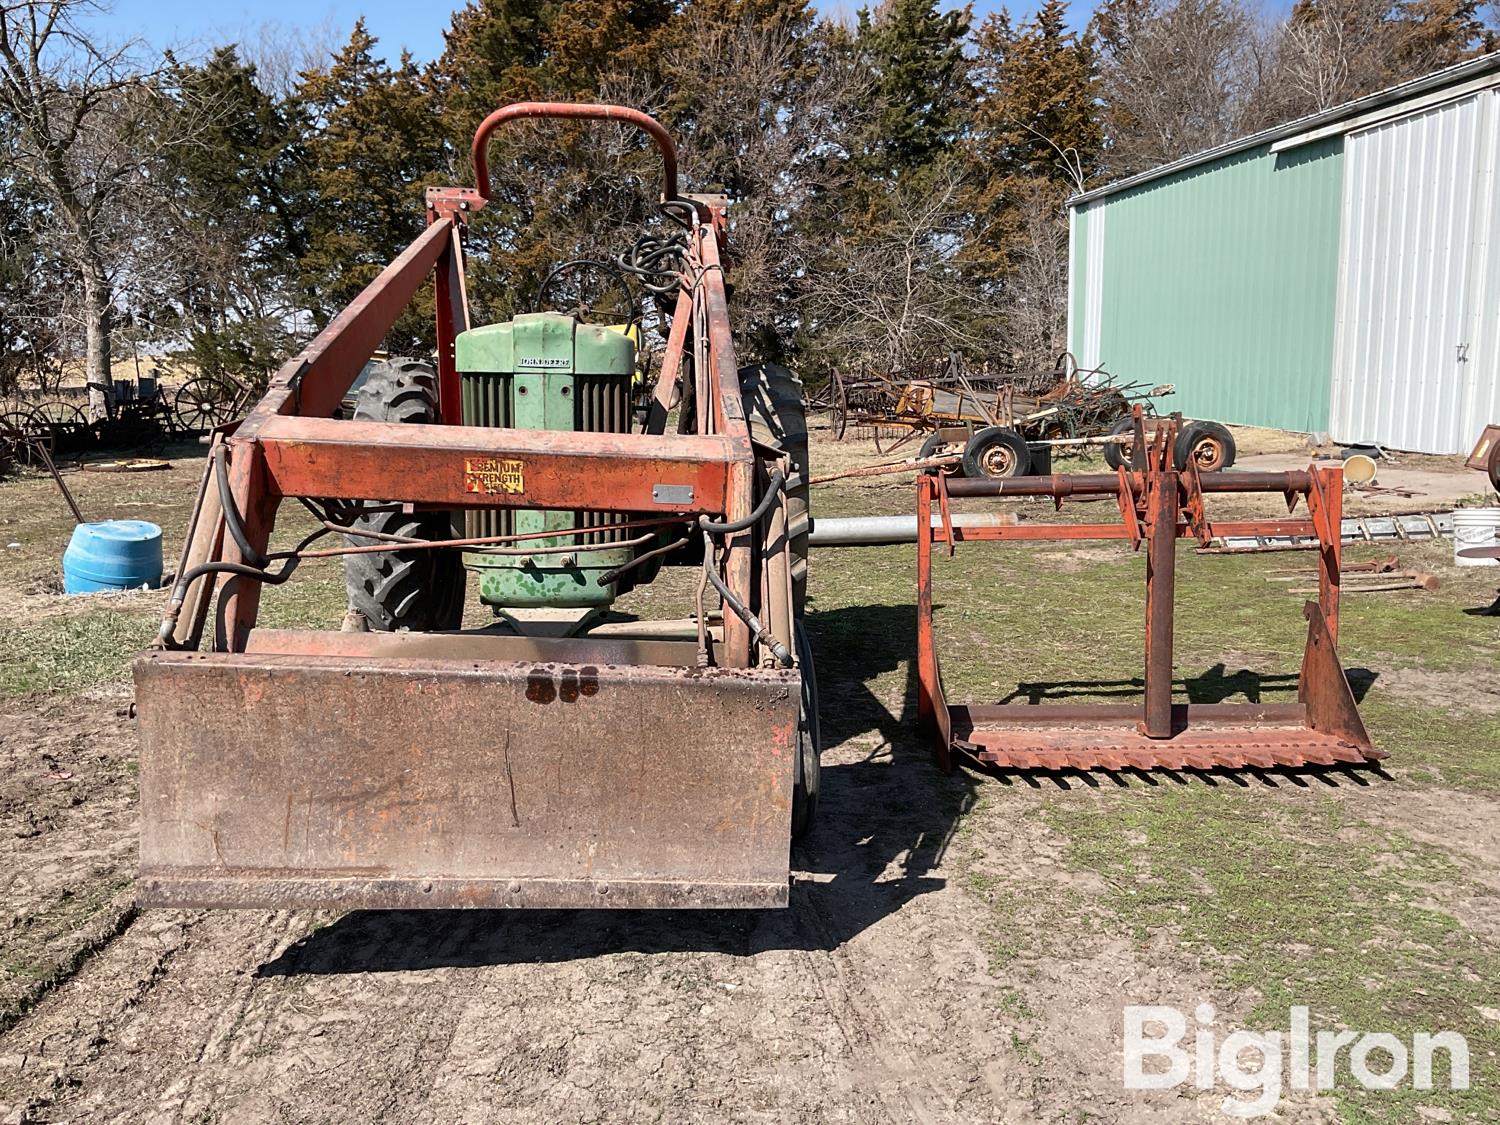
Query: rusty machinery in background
{"x":1009,"y":424}
{"x":557,"y":757}
{"x":141,"y":417}
{"x":1486,"y":455}
{"x":1158,"y":505}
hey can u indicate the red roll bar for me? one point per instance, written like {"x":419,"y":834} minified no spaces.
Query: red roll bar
{"x":570,"y":110}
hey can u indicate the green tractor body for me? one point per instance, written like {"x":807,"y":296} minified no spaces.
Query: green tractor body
{"x":545,"y":371}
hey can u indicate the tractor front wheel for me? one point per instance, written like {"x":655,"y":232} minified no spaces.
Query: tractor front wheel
{"x":808,"y":766}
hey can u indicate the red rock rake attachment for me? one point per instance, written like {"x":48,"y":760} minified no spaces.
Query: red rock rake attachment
{"x":1158,"y":505}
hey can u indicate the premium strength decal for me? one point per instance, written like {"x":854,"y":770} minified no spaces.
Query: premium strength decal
{"x":489,"y":476}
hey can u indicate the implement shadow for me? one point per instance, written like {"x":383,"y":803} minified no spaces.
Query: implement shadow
{"x":885,"y":818}
{"x":1215,"y":685}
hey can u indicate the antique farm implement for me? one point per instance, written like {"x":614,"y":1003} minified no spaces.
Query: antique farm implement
{"x":1158,"y":505}
{"x":1009,"y":425}
{"x":557,"y":754}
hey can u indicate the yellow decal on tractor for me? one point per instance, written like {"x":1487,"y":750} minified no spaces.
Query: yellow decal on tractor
{"x":490,"y":475}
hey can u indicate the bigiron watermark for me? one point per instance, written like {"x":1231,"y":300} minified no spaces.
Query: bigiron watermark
{"x":1161,"y":1054}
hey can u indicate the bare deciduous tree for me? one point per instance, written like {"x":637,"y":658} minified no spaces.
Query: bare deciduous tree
{"x":766,"y":116}
{"x":1035,"y":314}
{"x":1176,"y":77}
{"x":281,"y":54}
{"x":86,"y":124}
{"x":891,"y":295}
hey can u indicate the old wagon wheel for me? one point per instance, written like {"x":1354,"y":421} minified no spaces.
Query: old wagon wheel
{"x":201,"y":404}
{"x":56,"y":414}
{"x":65,"y":425}
{"x":21,"y":434}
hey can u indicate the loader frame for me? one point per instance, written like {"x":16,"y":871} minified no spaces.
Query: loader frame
{"x":290,"y":445}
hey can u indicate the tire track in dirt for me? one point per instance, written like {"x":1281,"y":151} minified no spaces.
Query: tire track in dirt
{"x":554,"y":1015}
{"x":67,"y":839}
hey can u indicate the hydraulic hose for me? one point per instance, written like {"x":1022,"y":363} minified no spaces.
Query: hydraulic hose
{"x":757,"y":630}
{"x":778,"y":481}
{"x":232,"y":521}
{"x":258,"y":574}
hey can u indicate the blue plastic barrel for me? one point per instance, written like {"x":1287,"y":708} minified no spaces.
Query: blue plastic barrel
{"x":112,"y":555}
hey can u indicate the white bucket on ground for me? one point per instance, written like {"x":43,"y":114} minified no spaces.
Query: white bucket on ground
{"x":1475,"y":527}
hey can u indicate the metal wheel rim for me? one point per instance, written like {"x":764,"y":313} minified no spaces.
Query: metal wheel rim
{"x":998,"y":461}
{"x":1208,"y":453}
{"x":200,"y":411}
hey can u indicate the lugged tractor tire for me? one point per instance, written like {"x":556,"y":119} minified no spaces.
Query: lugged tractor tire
{"x":777,"y":413}
{"x":420,"y":591}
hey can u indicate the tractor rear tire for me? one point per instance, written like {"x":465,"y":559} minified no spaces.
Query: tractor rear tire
{"x":422,"y":590}
{"x":777,"y":414}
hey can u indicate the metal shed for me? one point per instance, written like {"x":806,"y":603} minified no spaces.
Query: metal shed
{"x":1339,"y":274}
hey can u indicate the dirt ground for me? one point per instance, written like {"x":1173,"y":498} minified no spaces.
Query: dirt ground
{"x":958,"y":948}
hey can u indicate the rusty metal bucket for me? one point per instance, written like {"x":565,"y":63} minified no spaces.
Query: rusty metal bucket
{"x":384,"y":776}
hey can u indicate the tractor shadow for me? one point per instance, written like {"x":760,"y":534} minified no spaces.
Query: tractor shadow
{"x":885,"y":818}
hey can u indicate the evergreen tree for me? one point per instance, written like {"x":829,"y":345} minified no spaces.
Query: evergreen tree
{"x":1036,"y":115}
{"x":237,"y":223}
{"x":921,"y":82}
{"x":374,"y":142}
{"x":1036,"y":139}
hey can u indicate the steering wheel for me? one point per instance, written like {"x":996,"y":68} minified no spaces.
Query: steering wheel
{"x":589,"y":287}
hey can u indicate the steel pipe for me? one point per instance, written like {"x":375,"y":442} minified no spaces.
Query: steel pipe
{"x":885,"y":531}
{"x":1108,"y":484}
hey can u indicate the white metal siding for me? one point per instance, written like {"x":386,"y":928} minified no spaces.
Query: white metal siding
{"x":1072,"y":277}
{"x":1417,"y":282}
{"x":1093,"y":286}
{"x":1482,"y":367}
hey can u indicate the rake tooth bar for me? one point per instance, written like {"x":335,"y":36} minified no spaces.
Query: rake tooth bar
{"x":1321,"y":729}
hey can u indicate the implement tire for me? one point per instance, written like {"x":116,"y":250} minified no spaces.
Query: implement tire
{"x":995,"y":453}
{"x":1207,"y":443}
{"x":420,"y":590}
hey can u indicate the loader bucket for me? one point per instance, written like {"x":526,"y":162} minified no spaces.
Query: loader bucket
{"x":365,"y":771}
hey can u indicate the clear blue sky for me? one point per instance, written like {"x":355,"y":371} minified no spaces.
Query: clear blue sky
{"x":410,"y":23}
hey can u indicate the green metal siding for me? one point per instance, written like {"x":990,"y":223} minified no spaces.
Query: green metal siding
{"x":1222,"y":280}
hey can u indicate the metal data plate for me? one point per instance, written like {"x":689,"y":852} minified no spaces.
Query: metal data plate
{"x":324,"y":781}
